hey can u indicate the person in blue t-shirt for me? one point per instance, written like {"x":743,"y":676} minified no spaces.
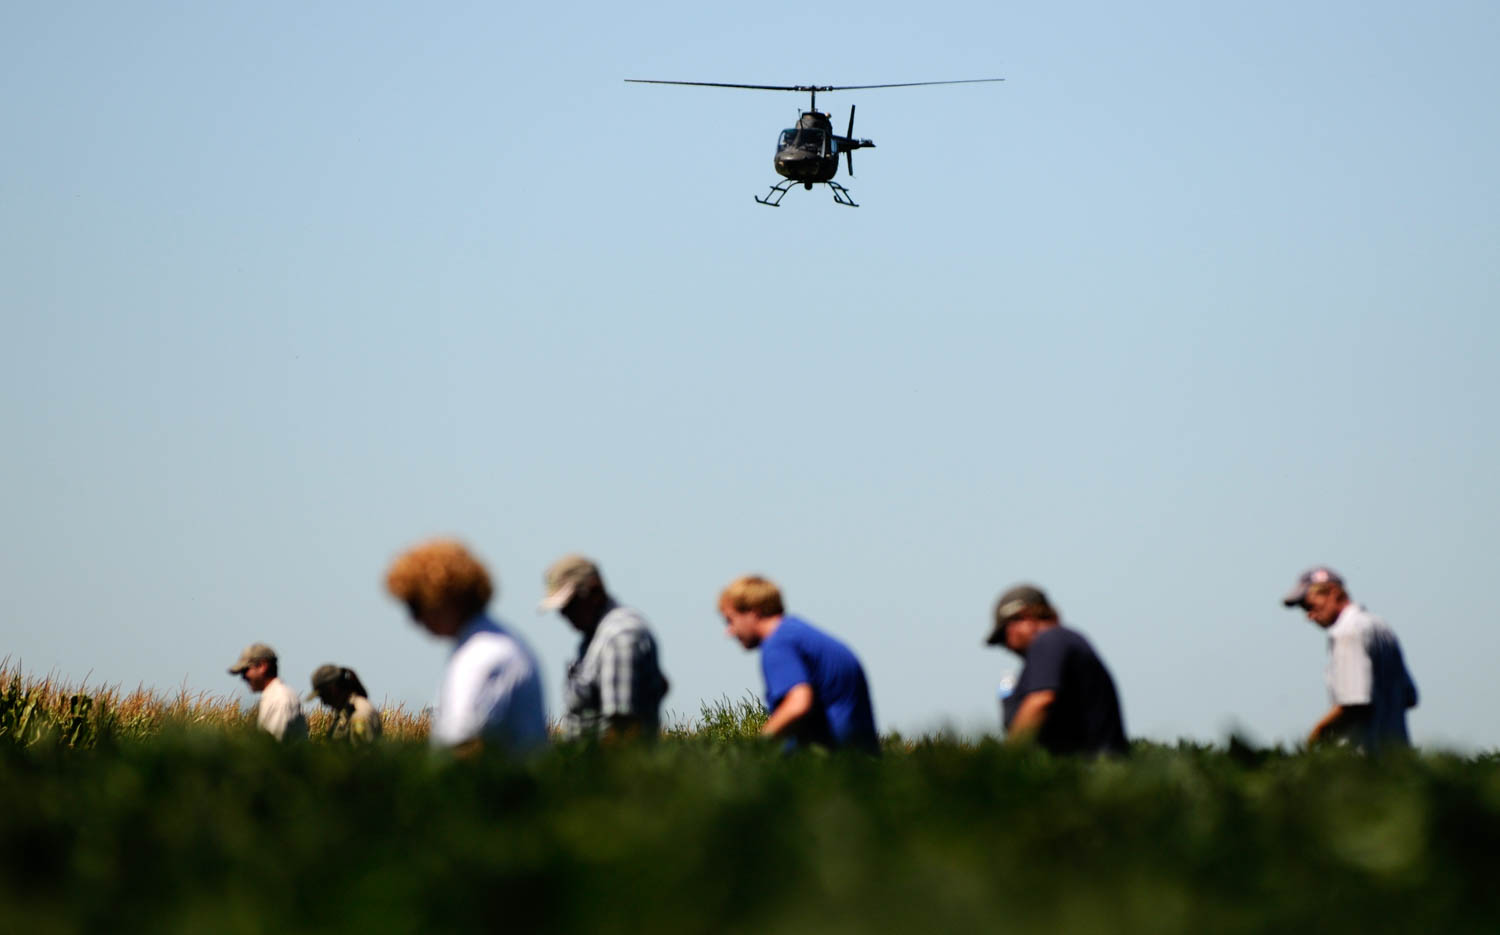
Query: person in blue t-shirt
{"x":815,"y":687}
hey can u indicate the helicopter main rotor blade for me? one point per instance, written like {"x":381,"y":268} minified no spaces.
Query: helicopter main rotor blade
{"x":908,"y":84}
{"x":720,"y":84}
{"x":809,"y":87}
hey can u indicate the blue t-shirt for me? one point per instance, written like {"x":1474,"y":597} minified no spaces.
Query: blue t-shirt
{"x":841,"y":715}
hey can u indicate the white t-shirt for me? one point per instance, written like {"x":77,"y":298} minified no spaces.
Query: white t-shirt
{"x":280,"y":712}
{"x":491,"y":689}
{"x":1365,"y":667}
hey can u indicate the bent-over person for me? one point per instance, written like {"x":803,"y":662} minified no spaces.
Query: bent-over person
{"x":491,"y":692}
{"x":1064,"y":699}
{"x":614,"y":686}
{"x":355,"y":719}
{"x":816,"y":691}
{"x":1369,"y":687}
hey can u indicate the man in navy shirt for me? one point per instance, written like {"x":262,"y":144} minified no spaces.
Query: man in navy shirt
{"x":815,"y":687}
{"x":1064,"y":699}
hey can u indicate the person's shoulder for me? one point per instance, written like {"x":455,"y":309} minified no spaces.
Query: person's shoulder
{"x":1372,"y":619}
{"x":811,"y":639}
{"x":792,"y":631}
{"x":490,"y":643}
{"x":1356,"y":622}
{"x":798,"y":626}
{"x":1060,"y":637}
{"x":280,"y":693}
{"x":1373,"y":629}
{"x":623,"y":620}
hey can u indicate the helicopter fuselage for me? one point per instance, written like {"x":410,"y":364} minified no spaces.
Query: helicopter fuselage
{"x":809,"y":152}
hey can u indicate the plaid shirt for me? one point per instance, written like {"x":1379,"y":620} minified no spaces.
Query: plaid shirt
{"x":616,"y":674}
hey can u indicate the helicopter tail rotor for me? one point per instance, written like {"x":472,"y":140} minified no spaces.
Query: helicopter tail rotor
{"x":849,"y":153}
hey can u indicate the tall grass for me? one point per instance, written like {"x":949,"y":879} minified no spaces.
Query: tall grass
{"x":722,"y":720}
{"x":48,"y":710}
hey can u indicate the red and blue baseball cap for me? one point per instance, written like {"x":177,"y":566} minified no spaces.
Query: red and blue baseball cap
{"x":1310,"y":578}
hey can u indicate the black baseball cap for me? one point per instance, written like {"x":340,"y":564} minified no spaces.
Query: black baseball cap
{"x":1012,"y":604}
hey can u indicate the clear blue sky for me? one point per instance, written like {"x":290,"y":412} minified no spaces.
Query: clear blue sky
{"x":1202,"y":295}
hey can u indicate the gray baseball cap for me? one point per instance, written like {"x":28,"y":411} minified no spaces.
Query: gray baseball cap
{"x":564,"y":577}
{"x":1313,"y":576}
{"x":1011,"y":604}
{"x":255,"y":652}
{"x":325,"y":674}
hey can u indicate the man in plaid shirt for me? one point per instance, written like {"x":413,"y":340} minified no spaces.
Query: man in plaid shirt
{"x":614,"y":687}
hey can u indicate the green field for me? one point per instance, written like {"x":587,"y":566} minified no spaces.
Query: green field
{"x":218,"y":829}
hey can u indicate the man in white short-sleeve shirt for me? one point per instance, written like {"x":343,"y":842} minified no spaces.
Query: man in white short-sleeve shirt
{"x":280,"y":710}
{"x":491,"y":693}
{"x":1369,"y":687}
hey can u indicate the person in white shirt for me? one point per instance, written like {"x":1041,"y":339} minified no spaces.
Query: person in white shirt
{"x":280,"y":711}
{"x":491,"y":692}
{"x":1369,"y":686}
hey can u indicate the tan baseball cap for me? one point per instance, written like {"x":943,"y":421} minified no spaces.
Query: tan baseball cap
{"x":255,"y":652}
{"x":564,"y":577}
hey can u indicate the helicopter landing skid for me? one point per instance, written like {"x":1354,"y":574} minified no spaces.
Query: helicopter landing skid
{"x":779,"y":190}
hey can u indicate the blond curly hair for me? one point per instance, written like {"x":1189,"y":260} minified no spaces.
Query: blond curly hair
{"x":440,"y":573}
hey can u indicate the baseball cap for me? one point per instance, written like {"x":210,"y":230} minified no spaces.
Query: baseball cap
{"x":323,"y":675}
{"x":255,"y":652}
{"x":564,"y":578}
{"x":1011,"y":604}
{"x":1313,"y":576}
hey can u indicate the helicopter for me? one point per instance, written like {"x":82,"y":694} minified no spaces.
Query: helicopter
{"x":808,"y":153}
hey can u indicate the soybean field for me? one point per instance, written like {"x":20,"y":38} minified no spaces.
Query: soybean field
{"x":196,"y":824}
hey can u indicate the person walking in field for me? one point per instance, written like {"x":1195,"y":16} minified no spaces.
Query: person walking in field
{"x":1064,"y":699}
{"x":279,"y":712}
{"x":614,"y":687}
{"x":1369,"y":687}
{"x":355,"y":718}
{"x":491,"y":691}
{"x":816,"y":691}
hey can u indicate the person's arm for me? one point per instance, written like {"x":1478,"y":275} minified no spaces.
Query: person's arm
{"x":788,"y":686}
{"x":622,"y":660}
{"x":1030,"y":716}
{"x":1040,"y":681}
{"x":1338,"y":717}
{"x":794,"y":706}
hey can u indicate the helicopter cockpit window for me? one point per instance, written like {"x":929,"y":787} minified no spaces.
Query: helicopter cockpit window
{"x":805,"y":139}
